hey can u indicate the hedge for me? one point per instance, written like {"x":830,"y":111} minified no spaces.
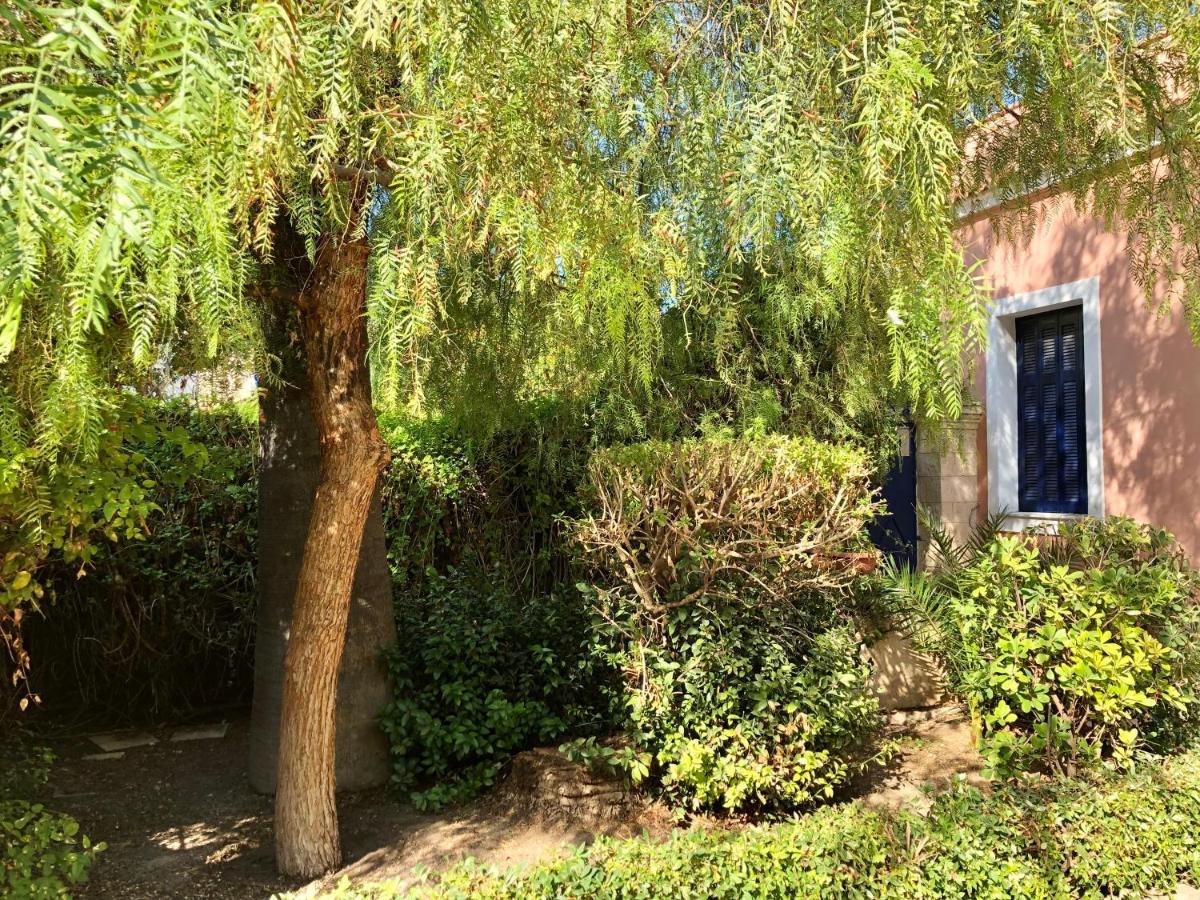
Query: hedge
{"x":1116,"y":836}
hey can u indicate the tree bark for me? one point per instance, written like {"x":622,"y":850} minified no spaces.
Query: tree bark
{"x":289,"y":464}
{"x":332,"y":306}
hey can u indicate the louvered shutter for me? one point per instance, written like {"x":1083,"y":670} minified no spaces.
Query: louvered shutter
{"x":1052,"y":464}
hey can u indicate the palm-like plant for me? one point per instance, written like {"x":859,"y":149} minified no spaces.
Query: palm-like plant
{"x":921,"y":602}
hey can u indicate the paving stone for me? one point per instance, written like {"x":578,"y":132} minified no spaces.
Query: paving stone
{"x":201,"y":732}
{"x":117,"y":754}
{"x":110,"y":743}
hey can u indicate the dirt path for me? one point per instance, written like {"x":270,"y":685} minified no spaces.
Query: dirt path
{"x":181,"y":821}
{"x":931,"y":753}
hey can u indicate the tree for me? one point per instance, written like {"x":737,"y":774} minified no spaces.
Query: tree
{"x":503,"y":197}
{"x":289,"y":465}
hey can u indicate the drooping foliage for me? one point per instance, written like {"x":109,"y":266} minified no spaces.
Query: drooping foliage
{"x":551,"y":176}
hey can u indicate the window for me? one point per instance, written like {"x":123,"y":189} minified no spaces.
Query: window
{"x":1044,"y":420}
{"x":1052,"y":465}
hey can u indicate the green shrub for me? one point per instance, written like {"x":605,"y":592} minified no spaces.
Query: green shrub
{"x":163,"y":620}
{"x":735,"y":716}
{"x":57,"y":510}
{"x":430,"y":490}
{"x":1128,"y":836}
{"x":1068,"y":651}
{"x":722,"y":576}
{"x":480,"y":673}
{"x":455,"y":499}
{"x":42,"y":853}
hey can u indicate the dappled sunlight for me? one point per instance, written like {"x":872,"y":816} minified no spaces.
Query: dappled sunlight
{"x":204,"y":834}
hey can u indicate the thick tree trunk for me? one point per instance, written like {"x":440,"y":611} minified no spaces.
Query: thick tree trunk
{"x":289,"y":465}
{"x":352,"y":456}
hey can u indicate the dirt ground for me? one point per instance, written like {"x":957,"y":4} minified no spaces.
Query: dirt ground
{"x":181,"y":821}
{"x":931,"y":752}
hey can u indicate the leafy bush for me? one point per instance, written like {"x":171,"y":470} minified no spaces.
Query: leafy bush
{"x":1130,"y":836}
{"x":480,"y":673}
{"x":455,"y":499}
{"x":723,"y":572}
{"x":42,"y":853}
{"x":163,"y":620}
{"x":1069,"y":651}
{"x":59,"y":510}
{"x":430,"y":490}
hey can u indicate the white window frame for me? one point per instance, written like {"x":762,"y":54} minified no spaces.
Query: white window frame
{"x":1002,"y":420}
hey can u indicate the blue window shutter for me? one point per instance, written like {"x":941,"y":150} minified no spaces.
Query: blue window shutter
{"x":1052,"y":463}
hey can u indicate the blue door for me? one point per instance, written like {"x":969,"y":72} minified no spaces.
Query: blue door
{"x":895,"y":531}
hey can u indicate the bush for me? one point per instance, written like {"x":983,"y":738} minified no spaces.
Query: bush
{"x":453,"y":499}
{"x":42,"y":853}
{"x":721,"y":518}
{"x":723,"y":573}
{"x":1129,"y":836}
{"x":59,"y":510}
{"x":163,"y":620}
{"x":480,"y":673}
{"x":430,"y":491}
{"x":1069,"y":651}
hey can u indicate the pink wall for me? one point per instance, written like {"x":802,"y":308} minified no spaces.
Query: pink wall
{"x":1150,"y":369}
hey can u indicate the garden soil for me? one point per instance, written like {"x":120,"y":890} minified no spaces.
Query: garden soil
{"x":181,"y":821}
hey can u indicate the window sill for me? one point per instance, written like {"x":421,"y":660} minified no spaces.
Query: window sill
{"x":1046,"y":522}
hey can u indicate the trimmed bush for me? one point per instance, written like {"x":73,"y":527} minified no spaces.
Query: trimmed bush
{"x":1069,"y":651}
{"x":722,"y":577}
{"x":1126,"y":836}
{"x":748,"y":520}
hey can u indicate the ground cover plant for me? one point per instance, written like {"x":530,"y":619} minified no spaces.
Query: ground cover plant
{"x":1119,"y":835}
{"x":1070,"y":650}
{"x":43,"y":855}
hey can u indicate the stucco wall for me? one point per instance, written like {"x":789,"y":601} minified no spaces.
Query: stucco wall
{"x":1150,"y":369}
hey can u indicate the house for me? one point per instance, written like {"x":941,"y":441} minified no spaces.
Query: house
{"x":1088,"y":399}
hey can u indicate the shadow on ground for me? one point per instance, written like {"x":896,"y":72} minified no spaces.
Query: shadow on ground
{"x":180,"y":819}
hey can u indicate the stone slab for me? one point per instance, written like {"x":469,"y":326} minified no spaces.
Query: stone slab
{"x":110,"y":743}
{"x":201,"y":732}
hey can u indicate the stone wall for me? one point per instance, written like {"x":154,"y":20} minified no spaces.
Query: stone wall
{"x":948,"y":482}
{"x":903,"y":678}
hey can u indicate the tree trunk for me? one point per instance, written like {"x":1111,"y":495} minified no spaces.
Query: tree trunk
{"x":289,"y":463}
{"x":333,"y":329}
